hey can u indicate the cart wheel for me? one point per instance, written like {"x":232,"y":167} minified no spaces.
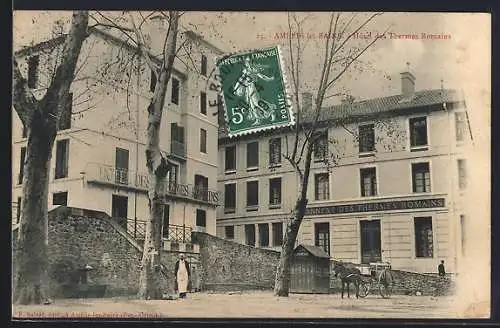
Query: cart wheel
{"x":364,"y":289}
{"x":385,"y":284}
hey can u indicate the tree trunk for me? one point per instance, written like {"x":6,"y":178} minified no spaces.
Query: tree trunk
{"x":158,"y":167}
{"x":31,"y":254}
{"x":282,"y":280}
{"x":150,"y":277}
{"x":41,"y":120}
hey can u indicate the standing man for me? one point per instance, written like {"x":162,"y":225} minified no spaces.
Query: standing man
{"x":182,"y":276}
{"x":441,"y":270}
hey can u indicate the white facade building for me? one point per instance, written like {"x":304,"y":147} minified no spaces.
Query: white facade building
{"x":99,"y":160}
{"x":397,"y":192}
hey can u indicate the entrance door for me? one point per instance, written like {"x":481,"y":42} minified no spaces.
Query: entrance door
{"x":370,"y":241}
{"x":119,"y":207}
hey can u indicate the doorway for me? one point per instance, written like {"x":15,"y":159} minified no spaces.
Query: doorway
{"x":119,"y":209}
{"x":370,"y":241}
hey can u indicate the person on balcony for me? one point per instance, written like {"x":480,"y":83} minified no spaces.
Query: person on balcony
{"x":182,"y":276}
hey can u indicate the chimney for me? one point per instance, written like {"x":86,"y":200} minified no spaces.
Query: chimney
{"x":407,"y":83}
{"x":307,"y":100}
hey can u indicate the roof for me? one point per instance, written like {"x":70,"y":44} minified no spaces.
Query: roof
{"x":110,"y":35}
{"x":313,"y":250}
{"x":396,"y":104}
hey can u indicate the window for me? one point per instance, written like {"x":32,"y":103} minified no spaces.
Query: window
{"x":121,"y":166}
{"x":230,"y":198}
{"x":322,"y":236}
{"x":423,"y":237}
{"x":65,"y":119}
{"x":460,"y":126}
{"x":263,"y":235}
{"x":274,"y":151}
{"x":321,"y":186}
{"x":321,"y":146}
{"x":203,"y":65}
{"x":203,"y":103}
{"x":62,"y":149}
{"x":229,"y":232}
{"x":152,"y":81}
{"x":368,"y":182}
{"x":418,"y":131}
{"x":366,"y":138}
{"x":250,"y":234}
{"x":165,"y":221}
{"x":175,"y":91}
{"x":275,"y":192}
{"x":60,"y":198}
{"x":253,"y":155}
{"x":462,"y":174}
{"x":19,"y":209}
{"x":201,"y":218}
{"x":200,"y":187}
{"x":230,"y":159}
{"x":203,"y":141}
{"x":277,"y":233}
{"x":21,"y":165}
{"x":421,"y":177}
{"x":172,"y":175}
{"x":33,"y":63}
{"x":177,"y":146}
{"x":252,"y":195}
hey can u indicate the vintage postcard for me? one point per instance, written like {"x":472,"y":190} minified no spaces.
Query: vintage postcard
{"x":251,"y":165}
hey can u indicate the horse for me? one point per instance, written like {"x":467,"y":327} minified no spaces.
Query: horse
{"x":347,"y":276}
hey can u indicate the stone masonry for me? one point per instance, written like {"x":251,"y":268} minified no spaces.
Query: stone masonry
{"x":79,"y":237}
{"x":227,"y":265}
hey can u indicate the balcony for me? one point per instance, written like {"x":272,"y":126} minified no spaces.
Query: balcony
{"x":129,"y":180}
{"x":178,"y":149}
{"x":175,"y":233}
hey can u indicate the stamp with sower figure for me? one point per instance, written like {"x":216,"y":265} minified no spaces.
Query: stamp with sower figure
{"x":254,"y":91}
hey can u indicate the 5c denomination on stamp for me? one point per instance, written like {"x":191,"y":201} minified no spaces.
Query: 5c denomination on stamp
{"x":254,"y":91}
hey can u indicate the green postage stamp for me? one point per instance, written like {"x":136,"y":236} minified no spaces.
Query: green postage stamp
{"x":254,"y":91}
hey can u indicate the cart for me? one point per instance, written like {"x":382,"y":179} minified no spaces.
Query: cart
{"x":376,"y":275}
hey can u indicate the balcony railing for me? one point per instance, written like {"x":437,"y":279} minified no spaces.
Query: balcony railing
{"x":104,"y":174}
{"x":178,"y":149}
{"x":174,"y":233}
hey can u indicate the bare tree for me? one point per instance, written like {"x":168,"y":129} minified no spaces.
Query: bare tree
{"x":41,"y":120}
{"x":157,"y":164}
{"x":340,"y":54}
{"x":161,"y":64}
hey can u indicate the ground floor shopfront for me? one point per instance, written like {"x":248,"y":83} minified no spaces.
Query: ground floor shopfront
{"x":412,"y":233}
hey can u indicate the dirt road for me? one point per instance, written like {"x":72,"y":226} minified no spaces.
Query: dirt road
{"x":248,"y":305}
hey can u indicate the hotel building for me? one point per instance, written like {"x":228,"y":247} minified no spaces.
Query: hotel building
{"x":99,"y":160}
{"x":396,"y":192}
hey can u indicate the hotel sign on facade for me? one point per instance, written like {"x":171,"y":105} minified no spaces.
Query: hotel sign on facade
{"x":378,"y":206}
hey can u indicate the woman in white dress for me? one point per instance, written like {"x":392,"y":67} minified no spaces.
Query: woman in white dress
{"x":182,"y":276}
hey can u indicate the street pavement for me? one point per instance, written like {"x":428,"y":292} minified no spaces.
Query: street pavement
{"x":247,"y":305}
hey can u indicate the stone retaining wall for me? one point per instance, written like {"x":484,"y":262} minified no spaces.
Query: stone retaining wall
{"x":80,"y":237}
{"x":227,"y":265}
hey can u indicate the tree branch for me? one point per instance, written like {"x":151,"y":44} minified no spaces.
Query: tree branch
{"x":65,"y":72}
{"x":23,"y":100}
{"x":141,"y":44}
{"x":353,"y":60}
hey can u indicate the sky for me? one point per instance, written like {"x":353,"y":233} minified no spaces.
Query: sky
{"x":460,"y":61}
